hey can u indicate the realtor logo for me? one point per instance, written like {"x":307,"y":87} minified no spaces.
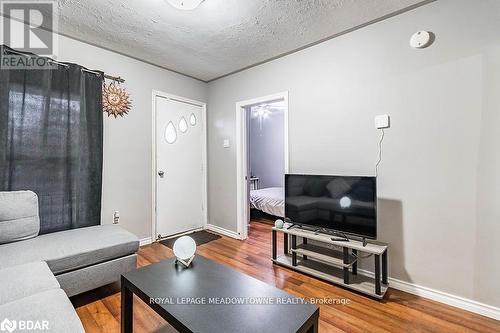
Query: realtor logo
{"x":10,"y":326}
{"x":28,"y":26}
{"x":7,"y":325}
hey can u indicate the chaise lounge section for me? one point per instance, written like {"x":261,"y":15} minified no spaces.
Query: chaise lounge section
{"x":81,"y":259}
{"x":49,"y":268}
{"x":30,"y":292}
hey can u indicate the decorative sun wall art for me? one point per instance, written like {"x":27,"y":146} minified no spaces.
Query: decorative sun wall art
{"x":115,"y":100}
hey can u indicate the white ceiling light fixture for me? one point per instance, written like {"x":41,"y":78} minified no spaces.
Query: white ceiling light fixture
{"x":185,"y":4}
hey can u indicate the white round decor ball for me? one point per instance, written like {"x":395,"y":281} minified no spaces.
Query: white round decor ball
{"x":345,"y":202}
{"x":278,"y":224}
{"x":184,"y":247}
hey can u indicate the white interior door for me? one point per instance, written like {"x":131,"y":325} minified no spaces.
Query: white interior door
{"x":179,"y":166}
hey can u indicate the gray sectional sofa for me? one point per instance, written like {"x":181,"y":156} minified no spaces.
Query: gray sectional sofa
{"x":39,"y":272}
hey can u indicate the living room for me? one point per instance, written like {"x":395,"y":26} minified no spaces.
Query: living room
{"x":153,"y":175}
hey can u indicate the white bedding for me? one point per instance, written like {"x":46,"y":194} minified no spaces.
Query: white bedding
{"x":270,"y":200}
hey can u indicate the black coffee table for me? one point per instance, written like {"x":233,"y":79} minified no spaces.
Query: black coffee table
{"x":214,"y":288}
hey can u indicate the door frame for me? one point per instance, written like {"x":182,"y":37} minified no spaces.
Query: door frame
{"x":161,"y":94}
{"x":242,"y":155}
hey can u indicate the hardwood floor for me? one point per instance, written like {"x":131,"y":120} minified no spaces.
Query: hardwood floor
{"x":99,"y":310}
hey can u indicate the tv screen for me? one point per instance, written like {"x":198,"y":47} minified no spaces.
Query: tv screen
{"x":339,"y":203}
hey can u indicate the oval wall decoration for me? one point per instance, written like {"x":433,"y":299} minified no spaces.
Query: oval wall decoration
{"x":170,"y":133}
{"x":192,"y":119}
{"x":183,"y":126}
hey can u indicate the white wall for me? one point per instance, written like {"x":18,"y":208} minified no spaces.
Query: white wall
{"x":128,"y":141}
{"x":439,"y":178}
{"x":487,"y":238}
{"x":266,"y":149}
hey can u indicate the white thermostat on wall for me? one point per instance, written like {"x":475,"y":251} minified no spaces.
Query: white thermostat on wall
{"x":421,"y":39}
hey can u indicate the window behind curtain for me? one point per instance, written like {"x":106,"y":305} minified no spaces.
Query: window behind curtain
{"x":51,"y":142}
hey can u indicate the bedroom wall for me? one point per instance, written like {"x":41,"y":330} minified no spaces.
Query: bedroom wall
{"x":266,"y":149}
{"x":439,"y":179}
{"x":128,"y":141}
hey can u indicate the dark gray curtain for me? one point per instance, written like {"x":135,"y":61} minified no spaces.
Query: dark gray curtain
{"x":51,"y":142}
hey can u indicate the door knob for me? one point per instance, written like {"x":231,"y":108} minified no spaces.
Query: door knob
{"x":161,"y":173}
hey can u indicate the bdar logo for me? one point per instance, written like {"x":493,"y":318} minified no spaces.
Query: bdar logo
{"x":8,"y":325}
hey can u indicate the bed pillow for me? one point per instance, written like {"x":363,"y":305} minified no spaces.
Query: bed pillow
{"x":338,"y":187}
{"x":18,"y":216}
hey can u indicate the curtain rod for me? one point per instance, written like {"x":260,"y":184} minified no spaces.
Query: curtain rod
{"x":107,"y":76}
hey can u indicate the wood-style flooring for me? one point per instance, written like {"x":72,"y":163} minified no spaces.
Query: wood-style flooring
{"x":99,"y":310}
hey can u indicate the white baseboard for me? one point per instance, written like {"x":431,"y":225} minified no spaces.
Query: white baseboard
{"x":223,"y":231}
{"x":145,"y":241}
{"x":442,"y":297}
{"x":183,"y":233}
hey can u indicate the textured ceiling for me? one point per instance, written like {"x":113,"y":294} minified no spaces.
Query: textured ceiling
{"x":220,"y":36}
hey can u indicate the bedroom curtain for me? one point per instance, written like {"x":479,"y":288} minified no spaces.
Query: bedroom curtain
{"x":51,"y":138}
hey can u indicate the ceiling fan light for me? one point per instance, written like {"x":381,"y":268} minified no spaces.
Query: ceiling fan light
{"x":185,"y":4}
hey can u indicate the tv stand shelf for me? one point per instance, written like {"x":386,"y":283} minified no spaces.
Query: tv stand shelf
{"x":333,"y":257}
{"x":323,"y":259}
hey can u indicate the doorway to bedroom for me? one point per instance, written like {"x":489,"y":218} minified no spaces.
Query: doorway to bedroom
{"x":262,"y":153}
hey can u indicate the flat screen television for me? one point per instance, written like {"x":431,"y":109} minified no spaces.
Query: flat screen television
{"x":345,"y":204}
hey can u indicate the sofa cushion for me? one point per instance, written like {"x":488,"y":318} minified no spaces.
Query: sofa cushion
{"x":327,"y":203}
{"x":301,"y":202}
{"x":51,"y":308}
{"x":25,"y":280}
{"x":315,"y":187}
{"x":295,"y":186}
{"x":18,"y":216}
{"x":71,"y":249}
{"x":95,"y":276}
{"x":337,"y":187}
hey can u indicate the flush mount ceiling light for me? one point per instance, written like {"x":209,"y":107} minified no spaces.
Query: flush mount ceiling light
{"x":185,"y":4}
{"x":261,"y":111}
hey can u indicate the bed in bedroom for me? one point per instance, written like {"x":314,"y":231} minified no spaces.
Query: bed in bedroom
{"x":269,"y":200}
